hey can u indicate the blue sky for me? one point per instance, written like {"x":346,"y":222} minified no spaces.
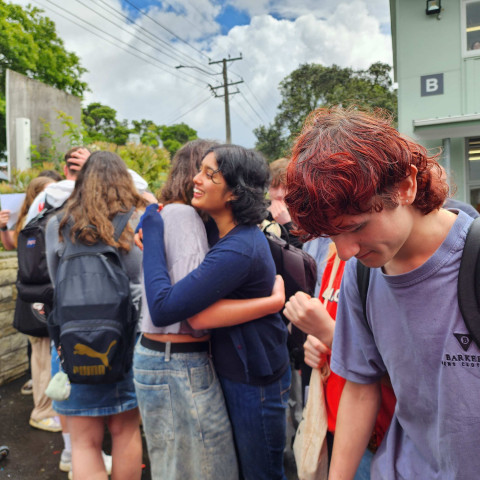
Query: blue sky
{"x":231,"y":17}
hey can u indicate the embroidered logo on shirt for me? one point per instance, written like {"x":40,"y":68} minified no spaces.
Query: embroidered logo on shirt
{"x":464,"y":339}
{"x":462,"y":360}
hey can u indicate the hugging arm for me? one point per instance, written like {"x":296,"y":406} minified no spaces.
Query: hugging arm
{"x":211,"y":281}
{"x":226,"y":312}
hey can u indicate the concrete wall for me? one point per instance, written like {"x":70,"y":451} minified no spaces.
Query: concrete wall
{"x":27,"y":98}
{"x":428,"y":45}
{"x":13,"y":345}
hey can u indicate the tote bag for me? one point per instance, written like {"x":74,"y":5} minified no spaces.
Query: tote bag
{"x":310,"y":444}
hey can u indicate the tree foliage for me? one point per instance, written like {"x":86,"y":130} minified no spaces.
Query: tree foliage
{"x":312,"y":86}
{"x":101,"y":124}
{"x":172,"y":137}
{"x":29,"y":45}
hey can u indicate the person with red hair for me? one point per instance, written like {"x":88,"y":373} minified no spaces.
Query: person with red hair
{"x":378,"y":196}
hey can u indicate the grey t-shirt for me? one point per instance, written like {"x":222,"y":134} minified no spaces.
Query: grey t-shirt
{"x":185,"y":248}
{"x":419,"y":337}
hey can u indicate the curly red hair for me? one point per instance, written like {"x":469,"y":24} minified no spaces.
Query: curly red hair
{"x":347,"y":162}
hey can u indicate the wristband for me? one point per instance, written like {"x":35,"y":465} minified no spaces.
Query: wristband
{"x":4,"y":228}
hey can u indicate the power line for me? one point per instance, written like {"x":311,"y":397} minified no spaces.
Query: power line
{"x":250,"y":105}
{"x":167,"y":44}
{"x":226,"y":93}
{"x":130,"y":46}
{"x":116,"y":44}
{"x":165,"y":28}
{"x":253,"y":95}
{"x":238,"y":103}
{"x":191,"y":110}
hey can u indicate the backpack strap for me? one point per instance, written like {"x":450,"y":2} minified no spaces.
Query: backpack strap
{"x":469,"y":281}
{"x":363,"y":280}
{"x":120,"y":222}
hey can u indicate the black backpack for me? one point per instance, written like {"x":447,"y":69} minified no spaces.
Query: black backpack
{"x":33,"y":281}
{"x":93,"y":321}
{"x":468,"y":285}
{"x":299,"y":272}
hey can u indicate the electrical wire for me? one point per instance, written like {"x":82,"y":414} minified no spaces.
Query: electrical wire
{"x":120,"y":15}
{"x":258,"y":101}
{"x":165,"y":28}
{"x":250,"y":105}
{"x":190,"y":110}
{"x":237,"y":103}
{"x":121,"y":27}
{"x":116,"y":44}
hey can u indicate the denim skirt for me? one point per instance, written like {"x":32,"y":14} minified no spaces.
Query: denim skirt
{"x":96,"y":400}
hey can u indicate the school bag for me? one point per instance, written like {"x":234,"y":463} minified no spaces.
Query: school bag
{"x":93,"y":320}
{"x":468,"y":285}
{"x":33,"y":281}
{"x":299,"y":272}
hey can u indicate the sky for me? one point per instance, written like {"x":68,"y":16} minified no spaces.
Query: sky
{"x":132,"y":48}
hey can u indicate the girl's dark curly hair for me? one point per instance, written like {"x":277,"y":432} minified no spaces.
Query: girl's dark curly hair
{"x":247,"y":176}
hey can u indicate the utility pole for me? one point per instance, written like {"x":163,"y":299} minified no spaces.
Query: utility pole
{"x":226,"y":93}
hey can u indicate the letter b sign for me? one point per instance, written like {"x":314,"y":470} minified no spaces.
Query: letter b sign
{"x":431,"y":85}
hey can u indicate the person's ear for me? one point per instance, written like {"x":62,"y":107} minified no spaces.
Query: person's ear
{"x":407,"y":188}
{"x":65,"y":170}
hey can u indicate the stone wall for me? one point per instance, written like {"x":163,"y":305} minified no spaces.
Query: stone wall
{"x":13,"y":345}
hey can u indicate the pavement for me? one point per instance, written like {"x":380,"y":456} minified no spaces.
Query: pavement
{"x":35,"y":454}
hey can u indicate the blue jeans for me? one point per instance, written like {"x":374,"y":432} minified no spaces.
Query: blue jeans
{"x":185,"y":419}
{"x":258,"y":419}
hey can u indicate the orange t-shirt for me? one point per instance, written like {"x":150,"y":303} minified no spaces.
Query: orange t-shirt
{"x":334,"y":384}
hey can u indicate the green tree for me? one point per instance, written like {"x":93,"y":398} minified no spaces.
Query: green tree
{"x":174,"y":136}
{"x":148,"y":131}
{"x":101,"y":124}
{"x":312,"y":86}
{"x":271,"y":141}
{"x":29,"y":45}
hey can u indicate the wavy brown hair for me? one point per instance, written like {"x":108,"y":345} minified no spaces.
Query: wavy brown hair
{"x":36,"y":186}
{"x":103,"y":188}
{"x":185,"y":165}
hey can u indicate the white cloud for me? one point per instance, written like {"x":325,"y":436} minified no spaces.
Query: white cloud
{"x":346,"y":33}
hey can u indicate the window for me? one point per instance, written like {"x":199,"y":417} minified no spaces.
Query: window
{"x":472,"y":27}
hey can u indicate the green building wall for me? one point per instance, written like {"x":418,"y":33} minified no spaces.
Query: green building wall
{"x":427,"y":45}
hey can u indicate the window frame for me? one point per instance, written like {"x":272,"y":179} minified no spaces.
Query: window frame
{"x":467,"y":53}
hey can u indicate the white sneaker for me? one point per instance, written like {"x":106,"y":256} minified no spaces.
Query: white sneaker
{"x":65,"y":461}
{"x":50,"y":424}
{"x":107,"y":460}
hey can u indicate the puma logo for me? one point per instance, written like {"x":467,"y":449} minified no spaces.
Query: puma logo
{"x":81,"y":349}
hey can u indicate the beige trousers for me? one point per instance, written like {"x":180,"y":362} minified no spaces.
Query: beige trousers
{"x":41,"y":368}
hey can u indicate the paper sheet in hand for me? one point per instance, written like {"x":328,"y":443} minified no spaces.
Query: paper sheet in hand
{"x":12,"y":202}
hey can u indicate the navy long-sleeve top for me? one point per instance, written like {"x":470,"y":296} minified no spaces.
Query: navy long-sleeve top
{"x":239,"y":266}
